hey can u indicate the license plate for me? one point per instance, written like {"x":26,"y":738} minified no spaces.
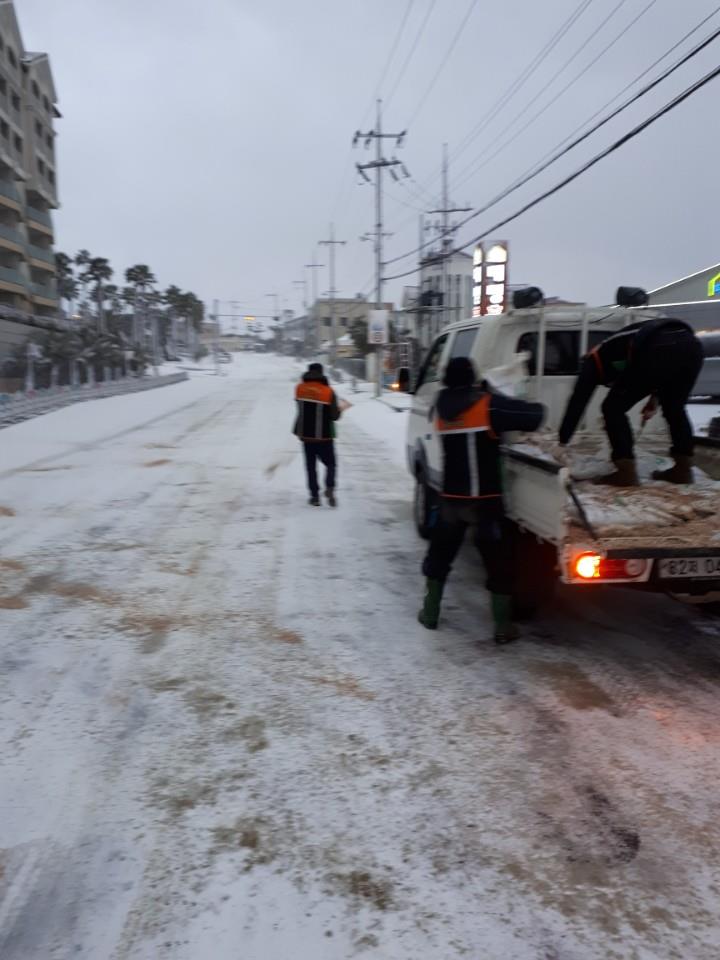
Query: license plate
{"x":686,"y":568}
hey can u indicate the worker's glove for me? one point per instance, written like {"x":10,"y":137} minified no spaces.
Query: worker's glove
{"x":649,"y":410}
{"x":561,"y":454}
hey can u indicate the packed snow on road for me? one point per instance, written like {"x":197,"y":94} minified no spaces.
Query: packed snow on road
{"x":225,"y":735}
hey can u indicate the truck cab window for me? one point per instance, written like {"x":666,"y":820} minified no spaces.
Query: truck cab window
{"x":562,"y":350}
{"x":463,"y":343}
{"x":430,"y":371}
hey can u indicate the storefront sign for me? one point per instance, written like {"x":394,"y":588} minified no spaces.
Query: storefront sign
{"x":490,"y":280}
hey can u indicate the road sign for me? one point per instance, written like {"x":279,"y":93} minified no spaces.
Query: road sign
{"x":378,"y":327}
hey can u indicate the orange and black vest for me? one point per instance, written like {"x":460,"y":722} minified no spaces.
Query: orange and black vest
{"x":314,"y":414}
{"x":471,"y":451}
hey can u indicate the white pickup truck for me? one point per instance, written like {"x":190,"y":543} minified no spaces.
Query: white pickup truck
{"x":653,"y":537}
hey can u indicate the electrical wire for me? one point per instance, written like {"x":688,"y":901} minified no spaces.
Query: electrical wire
{"x":393,"y":50}
{"x":410,"y":55}
{"x":564,"y":150}
{"x":616,"y":145}
{"x":516,"y":85}
{"x":465,"y":175}
{"x":443,"y":63}
{"x":625,"y":89}
{"x":520,"y":81}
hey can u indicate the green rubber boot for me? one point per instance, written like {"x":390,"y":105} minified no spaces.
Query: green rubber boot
{"x":430,"y":613}
{"x":505,"y":629}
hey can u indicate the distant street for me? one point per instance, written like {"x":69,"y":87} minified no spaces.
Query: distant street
{"x":226,"y":737}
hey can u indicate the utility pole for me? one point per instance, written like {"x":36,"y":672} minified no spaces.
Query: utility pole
{"x":378,"y":165}
{"x":446,"y":236}
{"x":303,"y":283}
{"x":216,"y":338}
{"x":332,"y":243}
{"x":313,"y":267}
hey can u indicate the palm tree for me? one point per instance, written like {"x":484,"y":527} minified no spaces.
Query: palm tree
{"x":141,"y":278}
{"x":97,"y":270}
{"x":59,"y":347}
{"x":172,"y":298}
{"x":89,"y":353}
{"x":82,"y":259}
{"x":67,"y":284}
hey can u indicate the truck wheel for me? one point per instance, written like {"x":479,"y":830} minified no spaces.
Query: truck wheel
{"x":535,"y":574}
{"x":708,"y":603}
{"x":424,"y":504}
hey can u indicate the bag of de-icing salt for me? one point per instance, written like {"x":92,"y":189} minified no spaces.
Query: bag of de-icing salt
{"x":511,"y":378}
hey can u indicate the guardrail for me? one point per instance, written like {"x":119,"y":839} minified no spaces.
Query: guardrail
{"x":16,"y":407}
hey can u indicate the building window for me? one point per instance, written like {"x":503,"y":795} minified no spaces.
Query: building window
{"x":12,"y":58}
{"x":3,"y":86}
{"x":38,"y":129}
{"x":18,"y":143}
{"x":41,"y":166}
{"x":46,"y":104}
{"x":49,"y":142}
{"x":51,"y":177}
{"x":4,"y":129}
{"x":36,"y":90}
{"x":16,"y":102}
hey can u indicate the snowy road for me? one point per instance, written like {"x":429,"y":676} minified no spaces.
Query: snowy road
{"x":224,"y":735}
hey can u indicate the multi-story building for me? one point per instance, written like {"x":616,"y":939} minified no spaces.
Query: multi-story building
{"x":28,"y":173}
{"x":348,"y":311}
{"x":443,"y":296}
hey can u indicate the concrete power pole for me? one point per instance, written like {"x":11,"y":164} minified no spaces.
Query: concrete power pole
{"x":446,"y":236}
{"x":216,"y":335}
{"x":313,"y":267}
{"x":378,"y":165}
{"x":331,"y":244}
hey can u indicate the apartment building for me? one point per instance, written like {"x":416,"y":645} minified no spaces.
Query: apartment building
{"x":28,"y":173}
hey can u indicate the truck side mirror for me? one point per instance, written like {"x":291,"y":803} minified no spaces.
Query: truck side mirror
{"x":403,"y":380}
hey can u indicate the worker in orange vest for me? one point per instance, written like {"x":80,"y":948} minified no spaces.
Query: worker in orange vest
{"x":317,"y":411}
{"x":470,"y":420}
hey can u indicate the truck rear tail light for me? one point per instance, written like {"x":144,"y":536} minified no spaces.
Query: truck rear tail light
{"x":590,"y":567}
{"x":587,"y":566}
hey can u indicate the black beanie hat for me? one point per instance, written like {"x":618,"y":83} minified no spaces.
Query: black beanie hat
{"x":460,"y":373}
{"x":315,"y":368}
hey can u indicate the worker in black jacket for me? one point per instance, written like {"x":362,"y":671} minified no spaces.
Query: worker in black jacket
{"x":470,"y":421}
{"x":317,"y":411}
{"x":659,"y":359}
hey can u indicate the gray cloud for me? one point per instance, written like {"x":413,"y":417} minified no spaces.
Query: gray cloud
{"x":212,"y":140}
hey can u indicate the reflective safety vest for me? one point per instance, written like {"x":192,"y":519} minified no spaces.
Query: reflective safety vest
{"x":314,"y":401}
{"x":471,"y":451}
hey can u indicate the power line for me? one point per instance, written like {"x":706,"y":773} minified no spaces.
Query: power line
{"x":525,"y":75}
{"x":558,"y":73}
{"x":629,"y":86}
{"x":410,"y":55}
{"x":443,"y":63}
{"x":518,"y":83}
{"x":393,"y":50}
{"x":562,"y":150}
{"x":636,"y":131}
{"x":554,"y":100}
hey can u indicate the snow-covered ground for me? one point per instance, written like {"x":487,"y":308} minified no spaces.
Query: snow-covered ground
{"x":225,"y":736}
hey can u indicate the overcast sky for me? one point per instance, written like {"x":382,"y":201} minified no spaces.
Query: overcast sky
{"x":211,"y":139}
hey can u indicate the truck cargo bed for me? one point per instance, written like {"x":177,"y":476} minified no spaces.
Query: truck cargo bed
{"x":654,"y":515}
